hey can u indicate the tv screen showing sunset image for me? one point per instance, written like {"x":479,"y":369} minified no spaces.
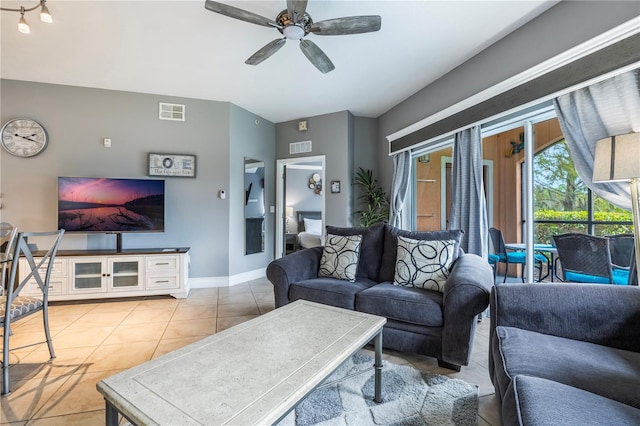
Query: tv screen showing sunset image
{"x":110,"y":205}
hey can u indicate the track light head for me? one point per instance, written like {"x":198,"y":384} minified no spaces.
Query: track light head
{"x":45,"y":16}
{"x":23,"y":27}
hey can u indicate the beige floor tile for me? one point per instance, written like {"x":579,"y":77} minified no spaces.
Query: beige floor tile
{"x":129,"y":333}
{"x":21,"y":338}
{"x":236,"y":289}
{"x":489,"y":410}
{"x":147,"y":316}
{"x":116,"y":305}
{"x":188,"y":312}
{"x":170,"y":345}
{"x":228,"y":299}
{"x":89,"y":418}
{"x":70,"y":309}
{"x":77,"y":338}
{"x":56,"y":323}
{"x":238,"y":310}
{"x":265,"y":307}
{"x":27,"y":397}
{"x":201,"y":327}
{"x":203,"y":292}
{"x":167,"y":302}
{"x":228,"y":322}
{"x":99,"y":319}
{"x":200,"y":301}
{"x":38,"y":363}
{"x":120,"y":356}
{"x":77,"y":395}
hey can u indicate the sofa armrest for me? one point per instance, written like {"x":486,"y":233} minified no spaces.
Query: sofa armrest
{"x":297,"y":266}
{"x":466,"y":294}
{"x":598,"y":313}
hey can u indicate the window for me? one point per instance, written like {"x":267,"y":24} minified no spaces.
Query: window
{"x":563,"y":203}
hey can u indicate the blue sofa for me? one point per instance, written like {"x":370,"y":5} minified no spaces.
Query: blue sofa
{"x":437,"y":324}
{"x":566,"y":354}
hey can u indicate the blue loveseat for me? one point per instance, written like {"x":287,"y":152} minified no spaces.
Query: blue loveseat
{"x":433,"y":323}
{"x":566,"y":354}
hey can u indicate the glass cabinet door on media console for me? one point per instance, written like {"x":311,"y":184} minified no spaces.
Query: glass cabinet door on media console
{"x":91,"y":275}
{"x":125,"y":274}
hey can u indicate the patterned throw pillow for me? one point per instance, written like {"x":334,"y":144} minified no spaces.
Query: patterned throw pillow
{"x":340,"y":257}
{"x":423,"y":264}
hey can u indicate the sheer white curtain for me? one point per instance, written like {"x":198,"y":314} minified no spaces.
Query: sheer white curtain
{"x":607,"y":108}
{"x":399,"y":187}
{"x":468,"y":203}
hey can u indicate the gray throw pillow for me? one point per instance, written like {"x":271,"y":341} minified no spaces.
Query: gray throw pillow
{"x":340,"y":257}
{"x":423,"y":264}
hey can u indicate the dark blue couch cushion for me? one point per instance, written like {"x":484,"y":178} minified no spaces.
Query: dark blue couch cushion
{"x":407,"y":304}
{"x":611,"y":373}
{"x":535,"y":401}
{"x":329,"y":291}
{"x":389,"y":254}
{"x":370,"y":248}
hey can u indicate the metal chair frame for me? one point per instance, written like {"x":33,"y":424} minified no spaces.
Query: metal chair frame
{"x":16,"y":306}
{"x":499,"y":248}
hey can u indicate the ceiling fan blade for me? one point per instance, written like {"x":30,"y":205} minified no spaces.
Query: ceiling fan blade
{"x":266,"y":51}
{"x":234,"y":12}
{"x":296,"y":8}
{"x":347,"y":25}
{"x":316,"y":56}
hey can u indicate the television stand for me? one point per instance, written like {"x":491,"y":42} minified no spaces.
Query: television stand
{"x":99,"y":274}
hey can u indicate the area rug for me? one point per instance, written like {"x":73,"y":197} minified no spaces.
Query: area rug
{"x":409,"y":397}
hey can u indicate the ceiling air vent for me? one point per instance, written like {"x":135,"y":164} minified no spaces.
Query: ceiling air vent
{"x":173,"y":112}
{"x":299,"y":147}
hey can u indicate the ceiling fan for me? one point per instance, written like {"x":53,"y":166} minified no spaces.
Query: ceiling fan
{"x":295,"y":23}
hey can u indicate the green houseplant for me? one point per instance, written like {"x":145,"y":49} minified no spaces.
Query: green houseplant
{"x":375,"y":203}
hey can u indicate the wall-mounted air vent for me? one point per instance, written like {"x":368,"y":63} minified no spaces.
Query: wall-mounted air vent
{"x":173,"y":112}
{"x":299,"y":147}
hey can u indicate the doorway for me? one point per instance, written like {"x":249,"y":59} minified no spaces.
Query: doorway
{"x":300,"y":198}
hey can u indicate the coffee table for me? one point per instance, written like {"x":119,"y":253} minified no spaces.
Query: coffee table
{"x":253,"y":373}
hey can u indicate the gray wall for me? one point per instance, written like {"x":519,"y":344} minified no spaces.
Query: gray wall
{"x":560,"y":28}
{"x":254,"y":137}
{"x":331,"y":136}
{"x":77,"y":119}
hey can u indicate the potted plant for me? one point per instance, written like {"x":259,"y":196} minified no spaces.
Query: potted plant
{"x":375,"y":203}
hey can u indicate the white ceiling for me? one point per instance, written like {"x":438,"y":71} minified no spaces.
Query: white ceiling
{"x":179,"y":48}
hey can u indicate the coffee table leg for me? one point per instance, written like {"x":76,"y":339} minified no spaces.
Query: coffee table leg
{"x":111,"y":414}
{"x":378,"y":367}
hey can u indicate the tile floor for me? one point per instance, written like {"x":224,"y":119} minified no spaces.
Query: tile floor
{"x":97,"y":339}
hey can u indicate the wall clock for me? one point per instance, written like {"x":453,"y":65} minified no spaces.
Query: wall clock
{"x":23,"y":137}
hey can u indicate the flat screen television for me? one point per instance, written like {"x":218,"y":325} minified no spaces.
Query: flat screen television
{"x":110,"y":205}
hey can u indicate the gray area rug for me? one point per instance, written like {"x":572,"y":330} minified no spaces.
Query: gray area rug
{"x":410,"y":398}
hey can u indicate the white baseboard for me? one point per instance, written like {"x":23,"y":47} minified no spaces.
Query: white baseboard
{"x":212,"y":282}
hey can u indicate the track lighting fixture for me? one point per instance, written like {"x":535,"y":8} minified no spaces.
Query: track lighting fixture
{"x":23,"y":26}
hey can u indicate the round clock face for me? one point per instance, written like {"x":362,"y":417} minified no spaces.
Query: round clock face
{"x":23,"y":137}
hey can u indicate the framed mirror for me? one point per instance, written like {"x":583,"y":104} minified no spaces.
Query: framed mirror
{"x":254,"y":208}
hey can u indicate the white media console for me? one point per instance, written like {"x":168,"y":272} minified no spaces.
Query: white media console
{"x":98,"y":274}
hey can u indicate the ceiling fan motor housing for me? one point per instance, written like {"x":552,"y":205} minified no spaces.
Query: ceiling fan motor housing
{"x":291,"y":30}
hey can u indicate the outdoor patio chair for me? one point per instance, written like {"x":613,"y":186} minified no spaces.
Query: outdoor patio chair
{"x":501,"y":255}
{"x":14,"y":306}
{"x":587,"y":259}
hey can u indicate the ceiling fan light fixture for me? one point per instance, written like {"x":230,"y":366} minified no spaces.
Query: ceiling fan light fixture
{"x":293,"y":32}
{"x":23,"y":27}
